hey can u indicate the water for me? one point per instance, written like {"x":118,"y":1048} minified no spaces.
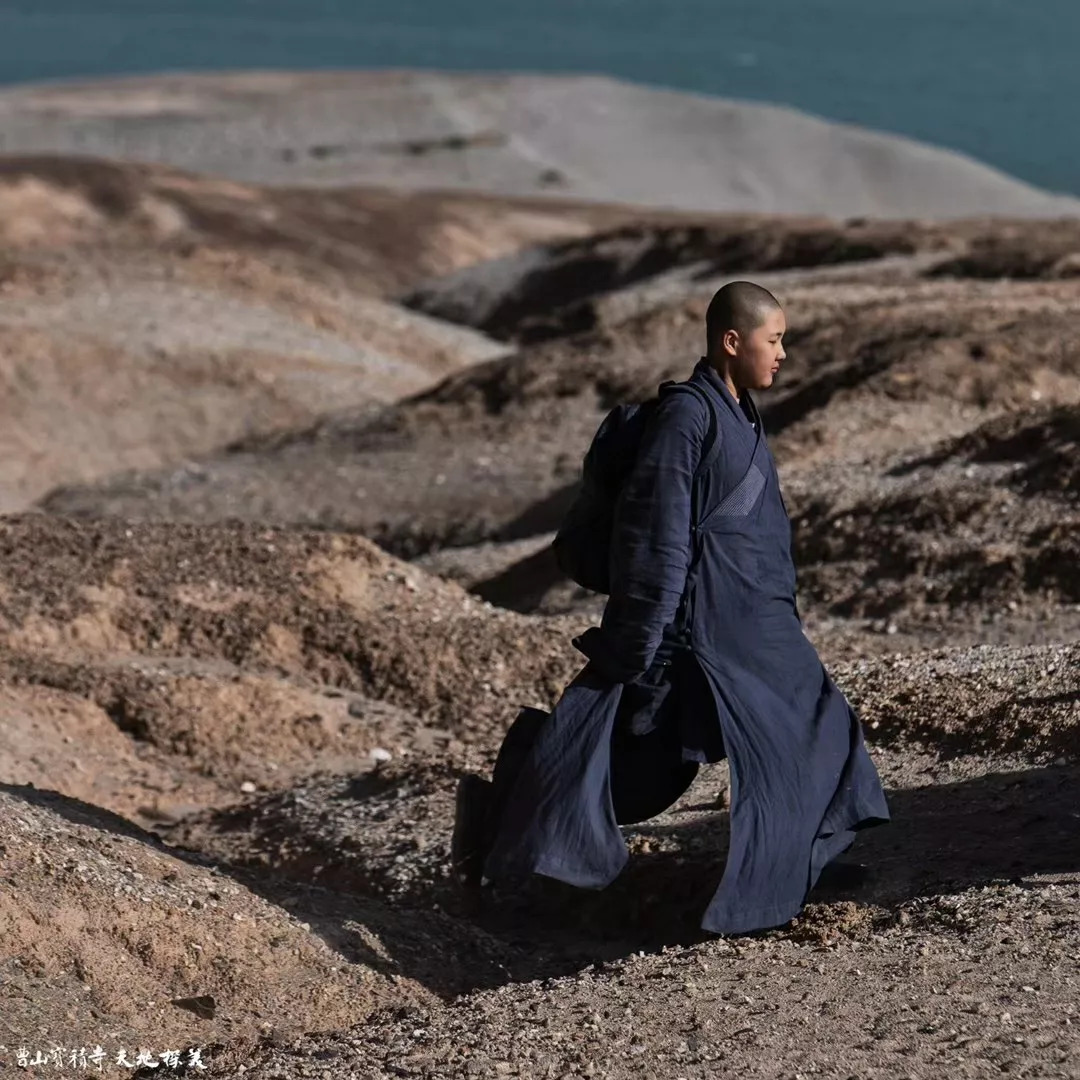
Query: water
{"x":995,"y":78}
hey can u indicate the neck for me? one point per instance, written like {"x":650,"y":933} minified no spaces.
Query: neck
{"x":721,"y":369}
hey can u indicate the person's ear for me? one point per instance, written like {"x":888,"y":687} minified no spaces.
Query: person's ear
{"x":731,"y":342}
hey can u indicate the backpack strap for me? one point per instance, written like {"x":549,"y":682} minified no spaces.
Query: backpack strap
{"x":708,"y":458}
{"x":712,"y":437}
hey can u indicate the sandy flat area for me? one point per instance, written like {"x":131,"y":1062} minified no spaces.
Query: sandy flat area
{"x":572,"y":136}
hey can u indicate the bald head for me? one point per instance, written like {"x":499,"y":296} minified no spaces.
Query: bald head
{"x":741,"y":306}
{"x":745,"y":327}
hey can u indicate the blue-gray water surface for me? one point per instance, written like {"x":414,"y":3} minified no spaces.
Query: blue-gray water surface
{"x":997,"y":79}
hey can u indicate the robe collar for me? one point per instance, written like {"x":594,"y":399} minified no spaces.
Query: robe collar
{"x":744,"y":405}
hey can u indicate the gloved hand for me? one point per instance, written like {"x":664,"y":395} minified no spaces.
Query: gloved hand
{"x":594,"y":644}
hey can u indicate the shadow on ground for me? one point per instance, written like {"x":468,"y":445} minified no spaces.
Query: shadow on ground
{"x":435,"y":949}
{"x":944,"y":838}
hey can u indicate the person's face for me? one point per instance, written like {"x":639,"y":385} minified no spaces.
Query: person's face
{"x":756,"y":357}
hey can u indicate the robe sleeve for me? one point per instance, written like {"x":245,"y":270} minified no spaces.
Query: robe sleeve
{"x":652,"y":544}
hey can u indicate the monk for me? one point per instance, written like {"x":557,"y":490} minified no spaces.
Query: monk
{"x":700,"y":655}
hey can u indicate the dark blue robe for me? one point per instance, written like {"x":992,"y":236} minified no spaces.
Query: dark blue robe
{"x":700,"y":654}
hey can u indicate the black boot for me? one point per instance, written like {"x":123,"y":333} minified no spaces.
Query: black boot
{"x":843,"y":877}
{"x":469,"y":843}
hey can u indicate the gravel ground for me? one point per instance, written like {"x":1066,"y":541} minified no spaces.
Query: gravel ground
{"x":231,"y":746}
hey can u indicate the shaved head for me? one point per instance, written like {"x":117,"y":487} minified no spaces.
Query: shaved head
{"x":741,"y":306}
{"x":744,"y":328}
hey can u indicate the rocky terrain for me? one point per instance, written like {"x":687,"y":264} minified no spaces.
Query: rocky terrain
{"x":281,"y":470}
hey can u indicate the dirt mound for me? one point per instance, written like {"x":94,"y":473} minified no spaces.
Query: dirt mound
{"x":924,"y":555}
{"x":384,"y":834}
{"x":457,"y":466}
{"x":550,"y":291}
{"x":144,"y":737}
{"x":160,"y":672}
{"x":331,"y":608}
{"x":76,"y":408}
{"x":978,"y":701}
{"x":70,"y":739}
{"x":378,"y":241}
{"x":1034,"y":250}
{"x":1043,"y":447}
{"x":571,"y":286}
{"x":945,"y":350}
{"x":985,"y":519}
{"x":109,"y":935}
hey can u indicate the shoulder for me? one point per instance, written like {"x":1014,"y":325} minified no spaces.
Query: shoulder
{"x":683,"y":407}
